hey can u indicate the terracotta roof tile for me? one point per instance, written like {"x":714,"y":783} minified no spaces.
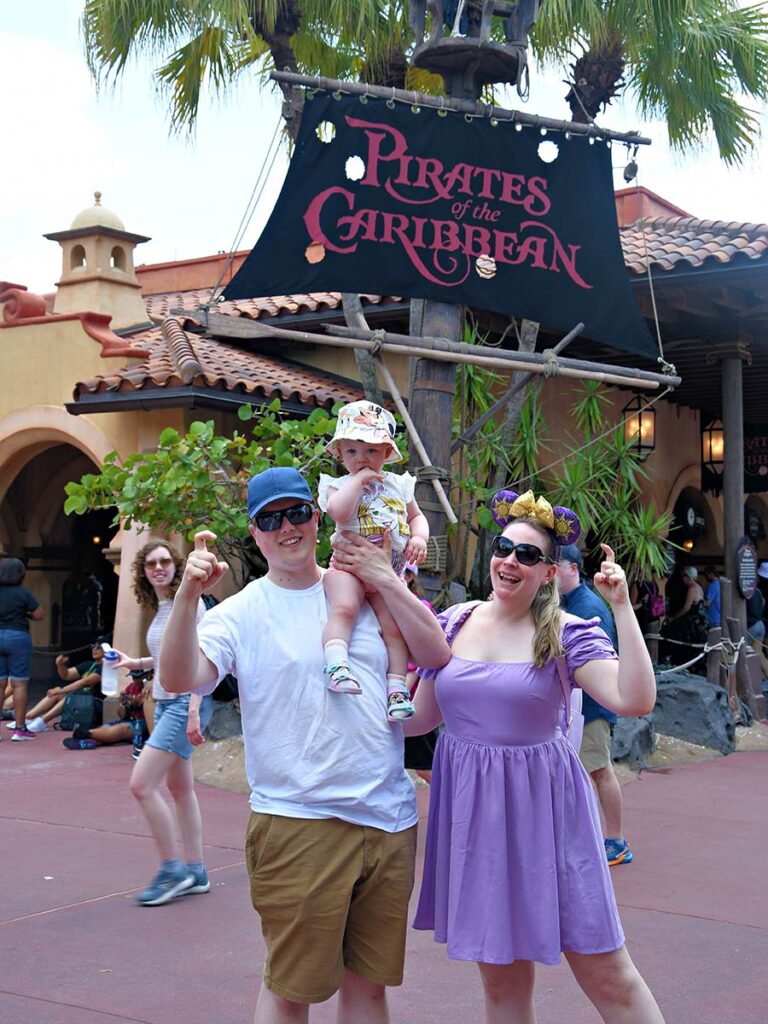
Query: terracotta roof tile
{"x":178,"y":303}
{"x":668,"y":242}
{"x":179,"y":358}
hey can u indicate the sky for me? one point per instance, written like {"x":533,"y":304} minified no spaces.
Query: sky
{"x":63,"y":140}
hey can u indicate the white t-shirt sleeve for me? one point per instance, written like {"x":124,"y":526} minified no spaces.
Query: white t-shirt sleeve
{"x":407,"y":486}
{"x":325,"y":486}
{"x":216,"y":638}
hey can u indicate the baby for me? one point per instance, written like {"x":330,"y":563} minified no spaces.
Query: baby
{"x":368,"y":501}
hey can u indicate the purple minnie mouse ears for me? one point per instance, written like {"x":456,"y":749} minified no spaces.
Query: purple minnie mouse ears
{"x":561,"y":523}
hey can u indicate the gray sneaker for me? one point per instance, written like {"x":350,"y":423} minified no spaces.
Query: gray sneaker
{"x":165,"y":887}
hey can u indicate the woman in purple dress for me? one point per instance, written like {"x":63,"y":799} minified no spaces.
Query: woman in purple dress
{"x":515,"y":868}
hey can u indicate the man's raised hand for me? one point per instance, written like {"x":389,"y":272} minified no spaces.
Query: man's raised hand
{"x":203,"y":570}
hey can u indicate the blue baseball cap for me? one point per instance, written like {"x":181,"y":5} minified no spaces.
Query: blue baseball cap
{"x":274,"y":484}
{"x":570,"y":553}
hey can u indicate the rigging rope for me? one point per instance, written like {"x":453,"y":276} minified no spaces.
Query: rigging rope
{"x":666,"y":367}
{"x":261,"y":180}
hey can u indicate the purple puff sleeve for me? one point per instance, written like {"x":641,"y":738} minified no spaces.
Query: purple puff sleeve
{"x":451,"y":620}
{"x":584,"y":640}
{"x":431,"y":673}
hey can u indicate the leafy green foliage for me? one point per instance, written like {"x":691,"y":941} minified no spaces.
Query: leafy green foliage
{"x":475,"y":388}
{"x":599,"y":476}
{"x":200,"y":45}
{"x":199,"y":479}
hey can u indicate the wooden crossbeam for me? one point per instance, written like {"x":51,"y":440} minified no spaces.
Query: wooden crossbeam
{"x":530,"y":359}
{"x":474,"y":107}
{"x":441,"y":350}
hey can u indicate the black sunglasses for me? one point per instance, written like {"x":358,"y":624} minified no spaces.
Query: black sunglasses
{"x":526,"y":554}
{"x":296,"y":515}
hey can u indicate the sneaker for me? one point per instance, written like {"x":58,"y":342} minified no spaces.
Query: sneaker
{"x":38,"y":724}
{"x":12,"y":723}
{"x":22,"y":734}
{"x":200,"y":884}
{"x":399,"y":706}
{"x":136,"y":753}
{"x":165,"y":886}
{"x":81,"y":733}
{"x":618,"y":852}
{"x":72,"y":744}
{"x":341,"y":680}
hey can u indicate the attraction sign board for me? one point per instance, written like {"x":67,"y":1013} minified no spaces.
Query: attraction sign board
{"x":746,"y":568}
{"x":382,"y":198}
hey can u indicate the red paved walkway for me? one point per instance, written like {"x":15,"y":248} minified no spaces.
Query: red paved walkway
{"x":75,"y":948}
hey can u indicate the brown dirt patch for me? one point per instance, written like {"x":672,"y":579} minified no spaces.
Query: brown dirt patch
{"x":221,"y":763}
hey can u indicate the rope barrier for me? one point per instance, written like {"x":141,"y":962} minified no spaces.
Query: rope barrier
{"x":680,"y":668}
{"x":728,"y":647}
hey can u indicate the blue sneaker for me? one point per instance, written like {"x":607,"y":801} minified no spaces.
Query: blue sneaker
{"x":618,"y":852}
{"x":200,"y":884}
{"x":166,"y":886}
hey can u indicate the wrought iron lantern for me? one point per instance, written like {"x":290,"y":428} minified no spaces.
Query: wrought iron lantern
{"x":713,"y":446}
{"x":640,"y":426}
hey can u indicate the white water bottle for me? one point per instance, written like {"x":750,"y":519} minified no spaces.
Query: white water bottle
{"x":109,"y":671}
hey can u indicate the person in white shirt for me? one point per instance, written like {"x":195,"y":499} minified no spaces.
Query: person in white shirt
{"x":330,"y":844}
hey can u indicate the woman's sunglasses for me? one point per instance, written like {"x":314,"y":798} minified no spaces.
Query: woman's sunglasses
{"x":161,"y":563}
{"x":526,"y":554}
{"x":296,"y":515}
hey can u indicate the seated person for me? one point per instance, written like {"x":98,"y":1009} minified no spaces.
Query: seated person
{"x":129,"y":727}
{"x":86,"y":675}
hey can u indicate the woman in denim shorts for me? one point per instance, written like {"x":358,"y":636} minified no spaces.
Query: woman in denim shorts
{"x":17,"y":607}
{"x":157,"y":571}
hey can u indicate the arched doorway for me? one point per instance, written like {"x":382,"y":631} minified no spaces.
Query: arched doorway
{"x":694,"y":532}
{"x":66,"y":568}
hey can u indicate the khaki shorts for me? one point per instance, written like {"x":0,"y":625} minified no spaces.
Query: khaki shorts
{"x":595,"y":750}
{"x":331,"y":896}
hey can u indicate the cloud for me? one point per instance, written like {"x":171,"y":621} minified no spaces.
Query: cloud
{"x":54,"y":152}
{"x":64,"y":141}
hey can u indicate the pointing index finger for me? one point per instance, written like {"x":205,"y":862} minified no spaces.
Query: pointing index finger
{"x":608,"y":552}
{"x":202,"y":537}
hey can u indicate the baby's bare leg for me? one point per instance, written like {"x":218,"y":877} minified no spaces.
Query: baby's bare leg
{"x":345,"y":594}
{"x":397,"y":651}
{"x":399,"y":703}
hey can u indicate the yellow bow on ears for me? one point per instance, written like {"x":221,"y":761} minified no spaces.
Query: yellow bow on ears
{"x":533,"y":508}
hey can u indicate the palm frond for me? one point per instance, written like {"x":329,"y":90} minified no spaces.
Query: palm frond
{"x":695,"y":63}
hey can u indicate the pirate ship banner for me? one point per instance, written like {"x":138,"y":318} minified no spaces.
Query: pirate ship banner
{"x":430,"y":204}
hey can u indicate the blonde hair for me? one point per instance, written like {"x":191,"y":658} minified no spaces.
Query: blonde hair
{"x":545,"y":609}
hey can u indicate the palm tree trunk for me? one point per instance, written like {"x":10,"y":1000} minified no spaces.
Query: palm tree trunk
{"x":598,"y":76}
{"x":278,"y":37}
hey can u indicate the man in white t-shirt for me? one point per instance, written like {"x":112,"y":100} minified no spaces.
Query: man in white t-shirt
{"x":331,"y":839}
